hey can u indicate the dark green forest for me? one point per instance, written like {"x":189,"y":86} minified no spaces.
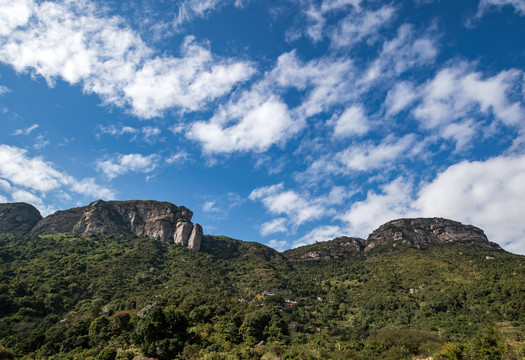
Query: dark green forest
{"x":64,"y":296}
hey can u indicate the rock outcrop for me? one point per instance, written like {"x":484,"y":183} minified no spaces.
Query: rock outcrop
{"x":18,"y":218}
{"x":153,"y":219}
{"x":194,"y":242}
{"x":423,"y":232}
{"x":182,"y":232}
{"x":340,"y":248}
{"x":419,"y":233}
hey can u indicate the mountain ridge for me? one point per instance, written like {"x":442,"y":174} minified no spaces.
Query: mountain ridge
{"x":167,"y":222}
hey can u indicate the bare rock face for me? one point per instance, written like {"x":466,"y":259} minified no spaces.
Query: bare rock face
{"x":422,"y":232}
{"x":153,"y":219}
{"x":182,"y":232}
{"x":100,"y":217}
{"x":18,"y":218}
{"x":194,"y":242}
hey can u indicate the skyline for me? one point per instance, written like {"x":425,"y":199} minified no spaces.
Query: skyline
{"x":283,"y":122}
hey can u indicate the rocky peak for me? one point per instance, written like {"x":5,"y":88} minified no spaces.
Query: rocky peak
{"x":422,"y":232}
{"x":163,"y":221}
{"x":18,"y":218}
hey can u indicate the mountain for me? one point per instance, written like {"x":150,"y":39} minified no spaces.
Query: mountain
{"x":392,"y":237}
{"x":415,"y":288}
{"x":153,"y":219}
{"x":18,"y":218}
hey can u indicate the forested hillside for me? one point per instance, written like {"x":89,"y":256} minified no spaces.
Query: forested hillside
{"x":64,"y":296}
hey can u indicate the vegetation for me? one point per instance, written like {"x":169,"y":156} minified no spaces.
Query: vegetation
{"x":63,"y":296}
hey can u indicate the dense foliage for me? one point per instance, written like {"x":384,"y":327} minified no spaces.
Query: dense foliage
{"x":63,"y":296}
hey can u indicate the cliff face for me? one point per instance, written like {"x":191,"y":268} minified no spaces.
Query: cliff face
{"x":18,"y":218}
{"x":152,"y":219}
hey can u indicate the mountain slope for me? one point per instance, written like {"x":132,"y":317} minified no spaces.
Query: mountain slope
{"x":415,"y":288}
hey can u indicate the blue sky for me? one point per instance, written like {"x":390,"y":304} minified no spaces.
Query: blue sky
{"x":283,"y":122}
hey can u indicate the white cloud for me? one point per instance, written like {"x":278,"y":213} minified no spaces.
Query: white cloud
{"x":124,"y":164}
{"x":23,"y":175}
{"x":461,"y":132}
{"x":399,"y":98}
{"x":404,"y":52}
{"x":315,"y":15}
{"x":392,"y":202}
{"x":321,"y":233}
{"x":279,"y":245}
{"x":368,"y":156}
{"x":188,"y":82}
{"x":488,"y":194}
{"x":4,"y":90}
{"x":33,"y":173}
{"x":14,"y":13}
{"x":361,"y":25}
{"x":457,"y":93}
{"x":26,"y":131}
{"x":328,"y":81}
{"x":116,"y":130}
{"x":352,"y":121}
{"x":519,"y":5}
{"x":255,"y":122}
{"x":72,"y":41}
{"x":178,"y":158}
{"x":90,"y":188}
{"x":297,"y":207}
{"x":274,"y":226}
{"x":209,"y":206}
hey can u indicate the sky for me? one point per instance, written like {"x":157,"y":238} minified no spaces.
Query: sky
{"x":283,"y":122}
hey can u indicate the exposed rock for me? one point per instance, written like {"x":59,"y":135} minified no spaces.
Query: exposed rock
{"x":101,"y":217}
{"x":422,"y":232}
{"x":339,"y":248}
{"x":182,"y":232}
{"x":153,"y":219}
{"x":18,"y":218}
{"x":144,"y":311}
{"x":194,"y":243}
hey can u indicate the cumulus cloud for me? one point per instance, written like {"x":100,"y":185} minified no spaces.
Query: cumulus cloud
{"x":404,"y":52}
{"x":361,"y":25}
{"x":391,"y":202}
{"x":123,"y":164}
{"x":279,"y":201}
{"x":274,"y":226}
{"x":488,"y":194}
{"x":353,"y":121}
{"x":25,"y":177}
{"x":316,"y":15}
{"x":72,"y":41}
{"x":457,"y":93}
{"x":188,"y":82}
{"x":14,"y":13}
{"x":327,"y":81}
{"x":399,"y":98}
{"x":365,"y":156}
{"x":254,"y":122}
